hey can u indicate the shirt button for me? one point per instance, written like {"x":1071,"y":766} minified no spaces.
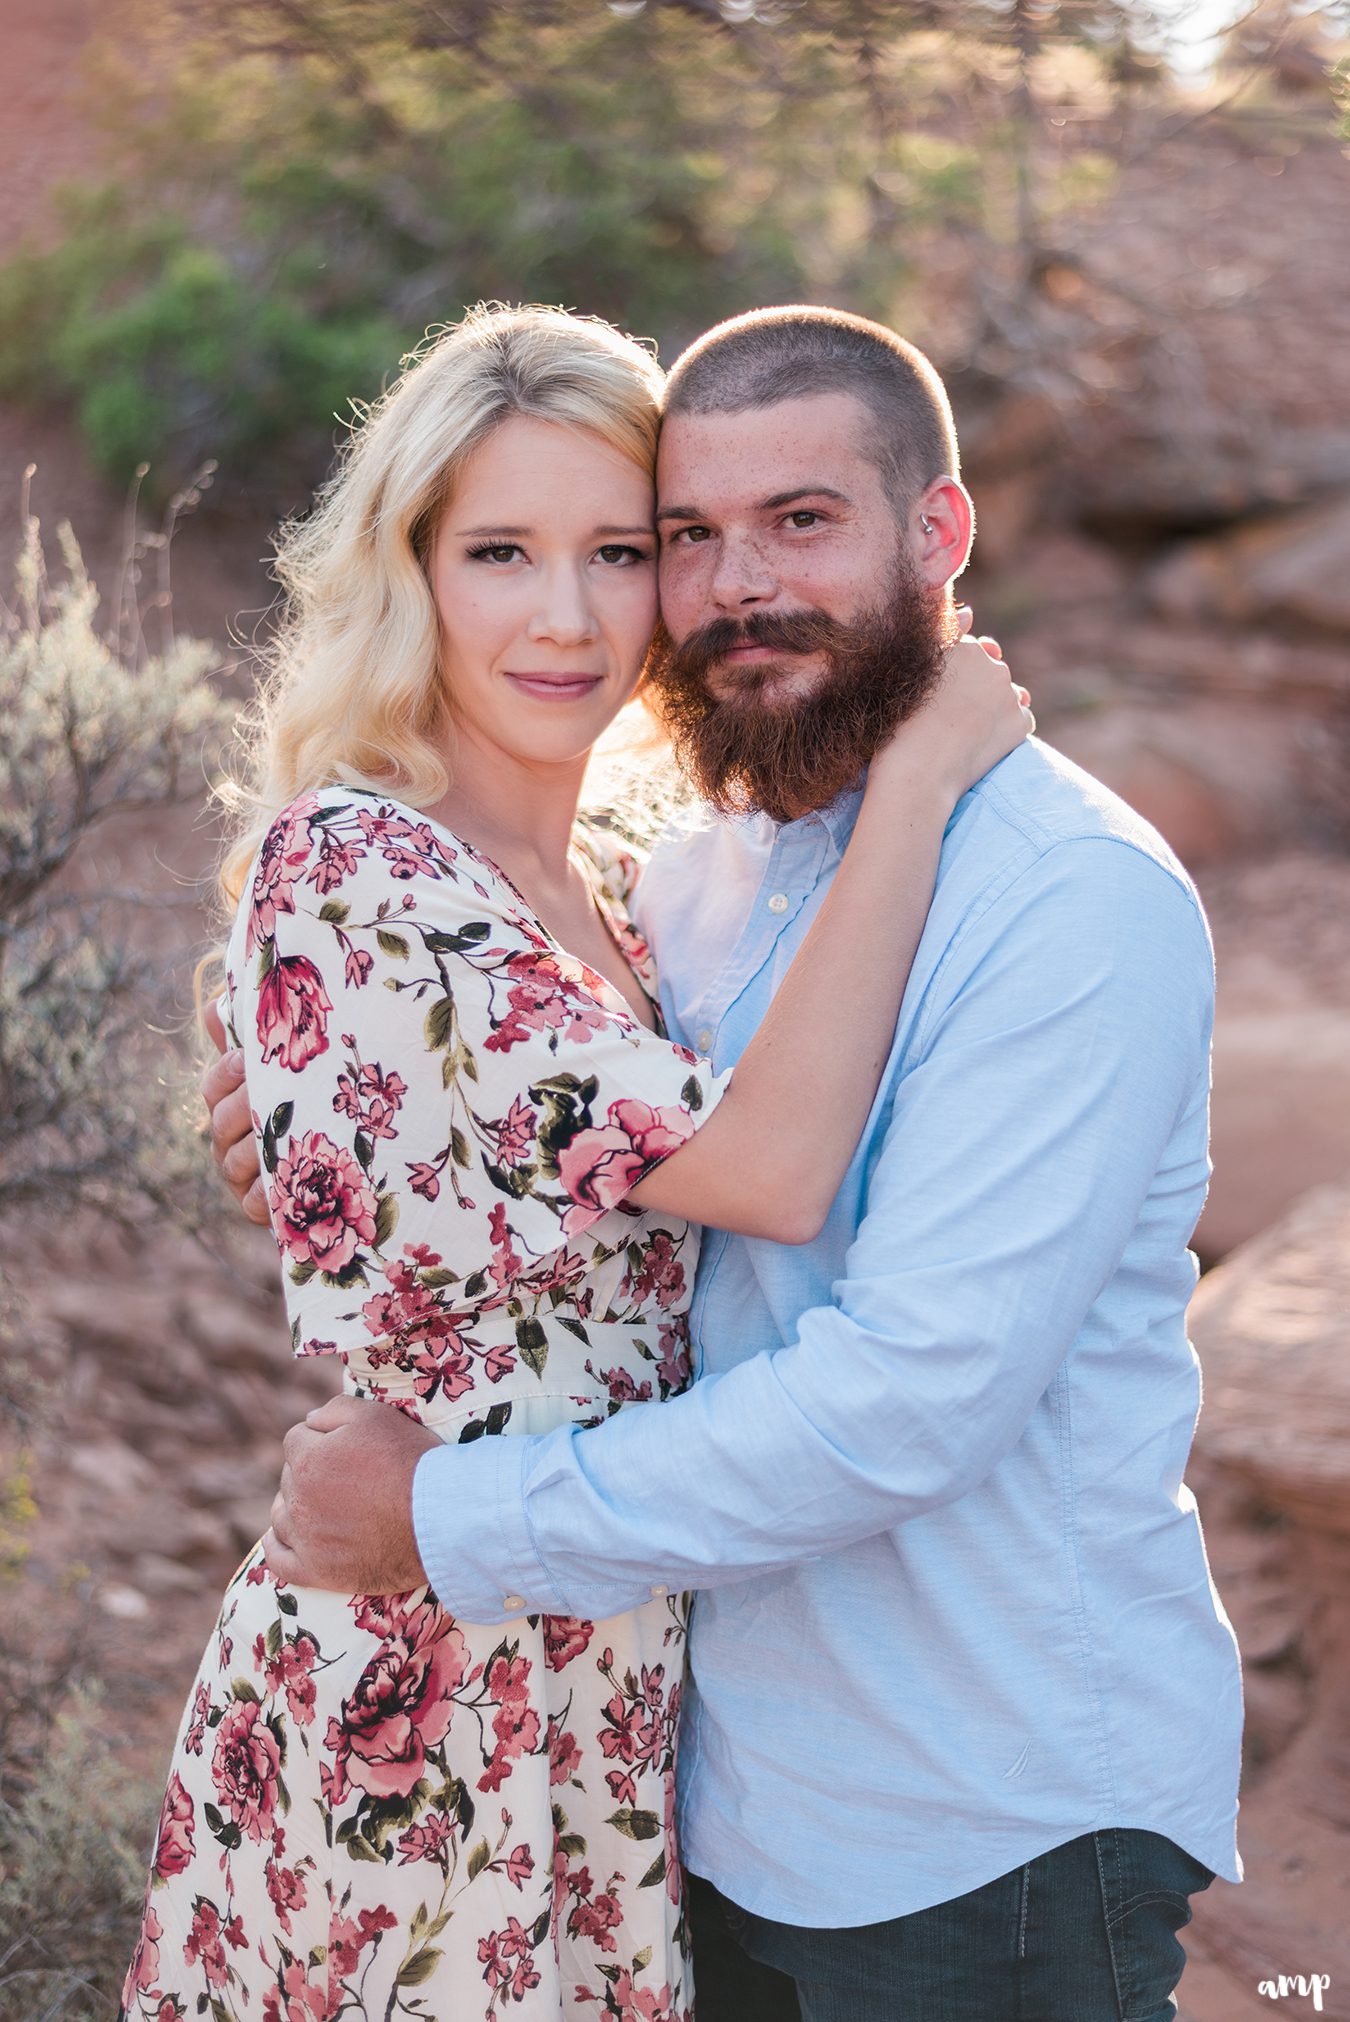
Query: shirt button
{"x":778,"y":903}
{"x":659,"y":1593}
{"x":513,"y":1603}
{"x":704,"y":1039}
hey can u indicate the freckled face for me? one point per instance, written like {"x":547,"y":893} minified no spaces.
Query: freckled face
{"x":775,"y":511}
{"x":543,"y":570}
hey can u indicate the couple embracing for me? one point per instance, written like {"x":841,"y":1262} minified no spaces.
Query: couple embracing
{"x":760,"y":1274}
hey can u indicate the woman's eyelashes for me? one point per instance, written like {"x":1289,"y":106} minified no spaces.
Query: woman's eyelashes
{"x":611,"y":555}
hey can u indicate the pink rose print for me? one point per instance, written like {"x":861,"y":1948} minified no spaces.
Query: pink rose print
{"x":429,"y":1842}
{"x":287,"y":1889}
{"x":297,"y":1999}
{"x":564,"y":1757}
{"x":284,"y":854}
{"x":358,"y":967}
{"x":292,"y":1013}
{"x":346,"y":1942}
{"x":175,"y":1846}
{"x":206,"y":1941}
{"x":144,"y":1969}
{"x":507,"y":1263}
{"x":245,"y":1767}
{"x":507,"y":1958}
{"x":637,"y":2004}
{"x":599,"y":1167}
{"x":542,"y":999}
{"x":661,"y":1274}
{"x":291,"y":1671}
{"x":515,"y":1135}
{"x":565,"y":1638}
{"x":337,"y":862}
{"x":201,"y":1706}
{"x":515,"y":1723}
{"x":392,"y":834}
{"x":371,"y":1097}
{"x":401,"y":1707}
{"x":323,"y":1205}
{"x":595,"y":1918}
{"x":673,"y":1368}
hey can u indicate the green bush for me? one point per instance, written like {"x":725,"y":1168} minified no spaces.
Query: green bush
{"x":301,"y":186}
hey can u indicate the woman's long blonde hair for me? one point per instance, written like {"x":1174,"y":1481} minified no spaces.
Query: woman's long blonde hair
{"x":354,"y":691}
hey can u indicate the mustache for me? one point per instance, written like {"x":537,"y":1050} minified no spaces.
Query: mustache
{"x":805,"y":631}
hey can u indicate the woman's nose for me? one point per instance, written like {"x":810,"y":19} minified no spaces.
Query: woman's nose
{"x":565,"y":615}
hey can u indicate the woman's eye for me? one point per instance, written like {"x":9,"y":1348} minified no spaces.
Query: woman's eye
{"x":617,"y":555}
{"x":495,"y":551}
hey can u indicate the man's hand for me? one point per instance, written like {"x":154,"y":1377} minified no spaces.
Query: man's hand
{"x":342,"y":1517}
{"x":233,"y":1145}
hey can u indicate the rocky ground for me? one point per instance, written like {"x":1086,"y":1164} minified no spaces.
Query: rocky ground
{"x":1166,"y":554}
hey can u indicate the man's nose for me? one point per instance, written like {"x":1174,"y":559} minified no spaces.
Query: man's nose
{"x":564,"y":616}
{"x":743,"y":576}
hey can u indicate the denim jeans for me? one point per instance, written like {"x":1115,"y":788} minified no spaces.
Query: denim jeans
{"x":1085,"y":1933}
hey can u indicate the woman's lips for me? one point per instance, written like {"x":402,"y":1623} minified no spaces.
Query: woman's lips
{"x":557,"y":687}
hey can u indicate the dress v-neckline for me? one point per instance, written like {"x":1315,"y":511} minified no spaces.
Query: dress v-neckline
{"x":614,"y":917}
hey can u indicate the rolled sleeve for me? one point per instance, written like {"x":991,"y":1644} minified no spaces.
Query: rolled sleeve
{"x":1063,"y":1049}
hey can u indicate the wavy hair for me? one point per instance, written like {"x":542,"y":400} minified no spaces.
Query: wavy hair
{"x":354,"y":691}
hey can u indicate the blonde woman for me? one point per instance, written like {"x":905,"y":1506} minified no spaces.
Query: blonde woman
{"x":483,"y":1159}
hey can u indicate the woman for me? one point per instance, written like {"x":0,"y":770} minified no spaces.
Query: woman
{"x":482,"y":1159}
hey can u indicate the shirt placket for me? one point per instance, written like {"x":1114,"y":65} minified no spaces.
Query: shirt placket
{"x":792,"y":870}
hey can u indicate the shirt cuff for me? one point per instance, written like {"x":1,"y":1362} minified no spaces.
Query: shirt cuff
{"x":468,"y":1510}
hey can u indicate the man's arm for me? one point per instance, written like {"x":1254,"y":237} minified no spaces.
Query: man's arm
{"x":1066,"y":1040}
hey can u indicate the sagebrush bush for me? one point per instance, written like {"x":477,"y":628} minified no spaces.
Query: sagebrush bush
{"x":96,"y":726}
{"x":73,"y":1852}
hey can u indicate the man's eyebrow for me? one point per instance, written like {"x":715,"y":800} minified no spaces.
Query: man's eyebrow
{"x":784,"y":498}
{"x":774,"y":504}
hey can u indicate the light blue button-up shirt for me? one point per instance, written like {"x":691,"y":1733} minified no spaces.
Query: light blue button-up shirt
{"x":954,"y":1607}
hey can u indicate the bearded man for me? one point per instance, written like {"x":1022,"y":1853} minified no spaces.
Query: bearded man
{"x":963,"y":1727}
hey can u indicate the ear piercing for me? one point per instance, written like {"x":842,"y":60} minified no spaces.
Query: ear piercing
{"x":926,"y":523}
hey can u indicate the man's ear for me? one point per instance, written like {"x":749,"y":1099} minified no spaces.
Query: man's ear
{"x":940,"y":531}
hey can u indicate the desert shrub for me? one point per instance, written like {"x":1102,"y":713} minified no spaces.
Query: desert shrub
{"x":73,"y":1846}
{"x":97,"y":726}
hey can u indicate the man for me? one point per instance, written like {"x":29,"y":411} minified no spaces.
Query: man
{"x":963,"y":1730}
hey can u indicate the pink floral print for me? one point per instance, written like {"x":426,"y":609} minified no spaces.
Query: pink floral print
{"x":376,"y":1810}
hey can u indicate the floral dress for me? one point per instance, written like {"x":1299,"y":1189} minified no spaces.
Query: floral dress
{"x":376,"y":1810}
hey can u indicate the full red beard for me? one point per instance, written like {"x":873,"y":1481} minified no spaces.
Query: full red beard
{"x":761,"y":747}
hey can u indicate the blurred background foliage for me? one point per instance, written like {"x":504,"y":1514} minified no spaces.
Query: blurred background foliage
{"x":294,"y":189}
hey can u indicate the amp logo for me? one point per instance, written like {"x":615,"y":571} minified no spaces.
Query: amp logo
{"x":1314,"y":1984}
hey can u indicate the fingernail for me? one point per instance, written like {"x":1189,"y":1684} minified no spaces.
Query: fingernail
{"x":235,"y":1060}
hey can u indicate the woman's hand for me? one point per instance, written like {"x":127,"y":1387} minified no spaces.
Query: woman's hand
{"x":974,"y":717}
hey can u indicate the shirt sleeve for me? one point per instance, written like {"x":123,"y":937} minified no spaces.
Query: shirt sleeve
{"x":443,"y":1096}
{"x":1064,"y":1043}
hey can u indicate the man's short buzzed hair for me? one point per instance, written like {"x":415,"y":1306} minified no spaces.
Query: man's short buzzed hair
{"x":768,"y":355}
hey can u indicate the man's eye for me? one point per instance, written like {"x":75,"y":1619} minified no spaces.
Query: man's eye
{"x":803,"y":518}
{"x":693,"y":535}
